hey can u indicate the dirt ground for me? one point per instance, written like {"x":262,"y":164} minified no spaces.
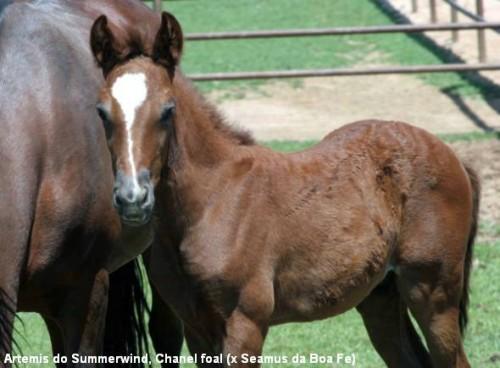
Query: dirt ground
{"x":280,"y":111}
{"x":484,"y":156}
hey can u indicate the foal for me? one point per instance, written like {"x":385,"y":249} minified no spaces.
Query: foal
{"x":380,"y":216}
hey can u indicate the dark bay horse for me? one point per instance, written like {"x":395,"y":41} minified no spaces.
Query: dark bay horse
{"x":378,"y":216}
{"x":60,"y":234}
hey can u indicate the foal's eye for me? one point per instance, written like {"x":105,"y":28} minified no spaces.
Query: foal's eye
{"x":167,"y":113}
{"x":106,"y":120}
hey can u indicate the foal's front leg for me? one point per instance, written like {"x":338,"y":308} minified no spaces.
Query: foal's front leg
{"x":247,"y":326}
{"x":244,"y":340}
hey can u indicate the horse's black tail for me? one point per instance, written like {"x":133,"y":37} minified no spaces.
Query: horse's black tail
{"x":126,"y":331}
{"x":476,"y":194}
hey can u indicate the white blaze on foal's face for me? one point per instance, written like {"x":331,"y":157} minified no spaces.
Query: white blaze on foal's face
{"x":130,"y":91}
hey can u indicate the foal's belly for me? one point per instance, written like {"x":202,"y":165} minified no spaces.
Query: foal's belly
{"x":329,"y":287}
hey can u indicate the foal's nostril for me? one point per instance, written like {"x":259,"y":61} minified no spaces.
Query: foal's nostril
{"x":145,"y":199}
{"x":117,"y":201}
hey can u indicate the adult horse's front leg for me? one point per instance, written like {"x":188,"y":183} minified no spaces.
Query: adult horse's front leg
{"x":93,"y":332}
{"x":82,"y":319}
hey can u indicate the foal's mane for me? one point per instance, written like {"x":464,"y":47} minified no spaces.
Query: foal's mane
{"x":213,"y":116}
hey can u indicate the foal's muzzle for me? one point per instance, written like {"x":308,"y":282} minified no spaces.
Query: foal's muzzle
{"x":133,"y":198}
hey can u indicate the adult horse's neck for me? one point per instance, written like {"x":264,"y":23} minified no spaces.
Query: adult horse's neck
{"x":200,"y":144}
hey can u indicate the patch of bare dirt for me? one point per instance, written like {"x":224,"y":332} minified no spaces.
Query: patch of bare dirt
{"x":320,"y":105}
{"x":484,"y":156}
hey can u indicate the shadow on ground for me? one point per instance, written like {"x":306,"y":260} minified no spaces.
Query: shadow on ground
{"x":488,"y":89}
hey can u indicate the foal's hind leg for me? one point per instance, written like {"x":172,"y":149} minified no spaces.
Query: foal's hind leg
{"x":430,"y":280}
{"x":390,"y":329}
{"x":435,"y":305}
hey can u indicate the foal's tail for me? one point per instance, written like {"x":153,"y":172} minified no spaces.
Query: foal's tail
{"x":126,"y":331}
{"x":476,"y":194}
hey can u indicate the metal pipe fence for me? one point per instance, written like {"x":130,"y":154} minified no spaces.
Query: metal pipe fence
{"x":468,"y":13}
{"x":480,"y":25}
{"x":478,"y":16}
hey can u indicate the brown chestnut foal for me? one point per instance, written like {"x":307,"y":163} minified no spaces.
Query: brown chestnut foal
{"x":380,"y":216}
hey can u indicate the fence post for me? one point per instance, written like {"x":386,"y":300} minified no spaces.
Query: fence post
{"x":414,"y":6}
{"x":157,"y":6}
{"x":432,"y":5}
{"x":454,"y":19}
{"x":481,"y":41}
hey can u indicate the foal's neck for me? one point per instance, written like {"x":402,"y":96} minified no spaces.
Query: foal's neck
{"x":200,"y":140}
{"x":200,"y":146}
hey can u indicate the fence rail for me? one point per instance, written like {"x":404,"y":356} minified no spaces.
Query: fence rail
{"x":403,"y":28}
{"x":340,"y":72}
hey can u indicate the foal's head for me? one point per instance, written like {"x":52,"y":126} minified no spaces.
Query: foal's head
{"x":137,"y":106}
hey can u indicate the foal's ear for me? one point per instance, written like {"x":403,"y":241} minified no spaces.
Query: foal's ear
{"x":168,"y":44}
{"x":103,"y":46}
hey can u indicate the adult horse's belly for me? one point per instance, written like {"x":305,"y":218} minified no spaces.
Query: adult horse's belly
{"x":69,"y":235}
{"x":332,"y":282}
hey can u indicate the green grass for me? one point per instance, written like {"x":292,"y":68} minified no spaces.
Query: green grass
{"x":345,"y":333}
{"x":469,"y":137}
{"x":289,"y":146}
{"x":307,"y":52}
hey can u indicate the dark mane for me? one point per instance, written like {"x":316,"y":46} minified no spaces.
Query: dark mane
{"x":136,"y":46}
{"x":238,"y":135}
{"x":242,"y":136}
